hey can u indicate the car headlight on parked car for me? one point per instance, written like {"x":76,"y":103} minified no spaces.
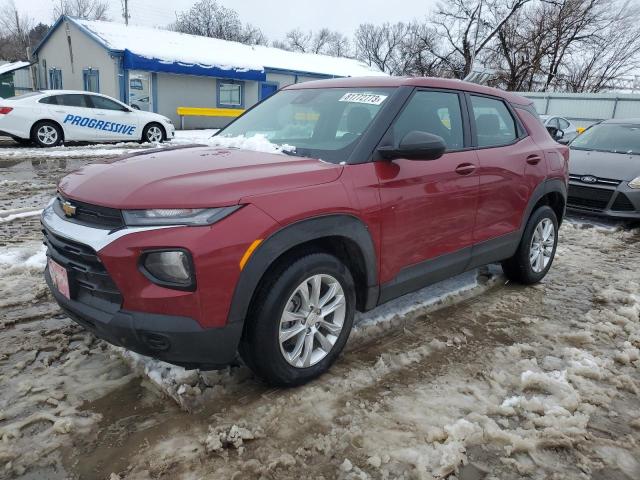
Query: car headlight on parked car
{"x":635,"y":183}
{"x":172,"y":268}
{"x":177,"y":216}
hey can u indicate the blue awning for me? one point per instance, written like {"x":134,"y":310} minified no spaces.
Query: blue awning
{"x":138,"y":62}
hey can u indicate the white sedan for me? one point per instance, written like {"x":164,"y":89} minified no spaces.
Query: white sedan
{"x":50,"y":117}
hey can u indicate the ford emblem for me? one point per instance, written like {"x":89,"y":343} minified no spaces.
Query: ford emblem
{"x":588,"y":179}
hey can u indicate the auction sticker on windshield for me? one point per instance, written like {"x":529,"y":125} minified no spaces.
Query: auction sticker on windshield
{"x":368,"y":98}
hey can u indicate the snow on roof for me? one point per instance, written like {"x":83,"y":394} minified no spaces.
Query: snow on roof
{"x":171,"y":46}
{"x":10,"y":67}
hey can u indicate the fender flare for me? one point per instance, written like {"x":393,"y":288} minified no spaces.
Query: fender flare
{"x":290,"y":236}
{"x":553,"y":185}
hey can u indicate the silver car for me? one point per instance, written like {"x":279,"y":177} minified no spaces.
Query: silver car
{"x":570,"y":130}
{"x":604,"y":171}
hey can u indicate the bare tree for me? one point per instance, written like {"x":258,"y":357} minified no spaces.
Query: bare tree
{"x":15,"y":28}
{"x":468,"y":27}
{"x":207,"y":18}
{"x":85,"y":9}
{"x":381,"y":46}
{"x":324,"y":41}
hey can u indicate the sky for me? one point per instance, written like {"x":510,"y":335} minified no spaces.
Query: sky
{"x":275,"y":20}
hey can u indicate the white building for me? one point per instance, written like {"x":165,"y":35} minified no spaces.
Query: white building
{"x":160,"y":70}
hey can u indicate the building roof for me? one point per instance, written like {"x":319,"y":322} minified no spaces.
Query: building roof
{"x":163,"y":50}
{"x":11,"y":67}
{"x":426,"y":82}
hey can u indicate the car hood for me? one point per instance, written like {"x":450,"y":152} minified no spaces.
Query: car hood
{"x":616,"y":166}
{"x":194,"y":177}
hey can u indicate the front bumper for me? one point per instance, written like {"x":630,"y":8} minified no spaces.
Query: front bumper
{"x":615,"y":201}
{"x":173,"y":339}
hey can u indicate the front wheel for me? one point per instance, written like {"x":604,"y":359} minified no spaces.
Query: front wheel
{"x":537,"y":248}
{"x":153,"y":133}
{"x":300,"y":321}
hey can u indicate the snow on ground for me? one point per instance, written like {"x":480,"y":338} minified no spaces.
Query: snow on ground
{"x":101,"y":150}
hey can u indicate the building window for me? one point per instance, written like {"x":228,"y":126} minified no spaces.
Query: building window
{"x":230,"y":94}
{"x":91,"y":79}
{"x":55,"y":79}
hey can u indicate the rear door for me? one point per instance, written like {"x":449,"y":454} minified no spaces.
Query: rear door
{"x":113,"y":120}
{"x":71,"y":110}
{"x":505,"y":153}
{"x":428,"y":207}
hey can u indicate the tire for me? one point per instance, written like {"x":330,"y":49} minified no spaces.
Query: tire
{"x":280,"y":307}
{"x":525,"y":266}
{"x":153,"y":133}
{"x":46,"y":134}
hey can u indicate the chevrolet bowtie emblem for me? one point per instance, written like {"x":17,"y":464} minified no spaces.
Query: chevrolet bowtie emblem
{"x":68,"y":209}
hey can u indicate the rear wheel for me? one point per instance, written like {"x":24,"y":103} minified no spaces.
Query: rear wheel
{"x":537,"y":248}
{"x":153,"y":133}
{"x":300,"y":321}
{"x":46,"y":134}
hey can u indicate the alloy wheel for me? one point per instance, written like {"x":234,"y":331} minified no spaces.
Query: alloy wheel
{"x":542,"y":243}
{"x":154,"y":134}
{"x":312,"y":321}
{"x":47,"y":135}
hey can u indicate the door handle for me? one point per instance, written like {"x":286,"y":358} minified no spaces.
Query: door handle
{"x":534,"y":159}
{"x":60,"y":111}
{"x":465,"y":169}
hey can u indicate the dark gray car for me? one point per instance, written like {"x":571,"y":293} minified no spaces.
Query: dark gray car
{"x":604,"y":170}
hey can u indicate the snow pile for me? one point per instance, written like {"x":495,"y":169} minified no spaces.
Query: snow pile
{"x":17,"y":259}
{"x":257,"y":143}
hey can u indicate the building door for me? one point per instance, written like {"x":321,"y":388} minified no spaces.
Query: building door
{"x":267,"y":89}
{"x":140,"y":94}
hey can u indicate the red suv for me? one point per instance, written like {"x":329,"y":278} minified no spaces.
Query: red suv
{"x":365,"y":189}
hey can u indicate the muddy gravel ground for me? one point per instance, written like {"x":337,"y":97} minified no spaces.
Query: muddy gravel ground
{"x":473,"y":379}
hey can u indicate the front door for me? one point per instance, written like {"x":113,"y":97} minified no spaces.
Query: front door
{"x":114,"y":121}
{"x":428,"y":207}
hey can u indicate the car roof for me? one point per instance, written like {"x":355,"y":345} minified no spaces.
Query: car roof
{"x":432,"y":82}
{"x":66,"y":92}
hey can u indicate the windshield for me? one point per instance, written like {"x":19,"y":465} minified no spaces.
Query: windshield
{"x":323,"y":123}
{"x":610,"y":137}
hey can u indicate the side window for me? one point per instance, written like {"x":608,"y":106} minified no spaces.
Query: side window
{"x":494,"y":124}
{"x":73,"y":100}
{"x":104,"y":103}
{"x":433,"y":112}
{"x":563,"y":124}
{"x":52,"y":100}
{"x":230,"y":94}
{"x":553,"y":122}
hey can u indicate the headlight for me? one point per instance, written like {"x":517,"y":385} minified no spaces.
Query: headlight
{"x":635,"y":183}
{"x":169,"y":268}
{"x":177,"y":216}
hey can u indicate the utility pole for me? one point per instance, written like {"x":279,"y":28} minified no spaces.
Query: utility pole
{"x":125,"y":11}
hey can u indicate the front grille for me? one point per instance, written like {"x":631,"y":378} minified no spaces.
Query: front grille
{"x":89,"y":281}
{"x":598,"y":181}
{"x":91,"y":215}
{"x":588,"y":197}
{"x":622,"y":204}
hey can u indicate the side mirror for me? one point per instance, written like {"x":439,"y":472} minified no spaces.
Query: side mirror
{"x":416,"y":145}
{"x":555,"y":133}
